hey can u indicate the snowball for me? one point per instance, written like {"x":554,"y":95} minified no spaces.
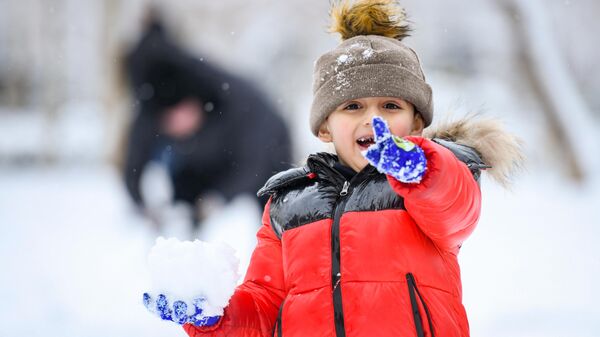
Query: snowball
{"x":187,"y":271}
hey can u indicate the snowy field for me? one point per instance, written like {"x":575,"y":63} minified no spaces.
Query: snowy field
{"x":73,"y":255}
{"x":73,"y":258}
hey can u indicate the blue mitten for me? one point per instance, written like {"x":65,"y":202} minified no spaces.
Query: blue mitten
{"x":400,"y":158}
{"x":178,"y":312}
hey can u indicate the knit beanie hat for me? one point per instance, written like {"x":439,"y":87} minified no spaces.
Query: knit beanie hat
{"x":371,"y":61}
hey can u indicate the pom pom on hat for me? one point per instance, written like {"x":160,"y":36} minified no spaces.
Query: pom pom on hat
{"x":369,"y":17}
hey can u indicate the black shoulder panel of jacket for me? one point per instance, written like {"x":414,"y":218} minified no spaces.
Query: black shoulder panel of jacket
{"x":467,"y":155}
{"x":285,"y":179}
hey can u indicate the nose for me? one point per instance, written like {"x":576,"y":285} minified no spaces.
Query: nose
{"x":370,"y":113}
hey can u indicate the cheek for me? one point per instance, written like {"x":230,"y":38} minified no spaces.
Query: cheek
{"x":401,"y":131}
{"x":344,"y":140}
{"x":402,"y":128}
{"x":341,"y":132}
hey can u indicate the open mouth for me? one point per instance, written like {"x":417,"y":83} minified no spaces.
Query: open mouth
{"x":365,"y":142}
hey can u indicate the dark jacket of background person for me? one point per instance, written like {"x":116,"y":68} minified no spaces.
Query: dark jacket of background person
{"x":241,"y":143}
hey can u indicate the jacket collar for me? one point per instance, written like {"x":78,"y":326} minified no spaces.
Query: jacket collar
{"x":322,"y":163}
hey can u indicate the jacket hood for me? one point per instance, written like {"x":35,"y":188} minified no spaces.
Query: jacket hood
{"x":497,"y":147}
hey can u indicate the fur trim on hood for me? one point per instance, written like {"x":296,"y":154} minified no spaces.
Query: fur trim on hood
{"x":497,"y":147}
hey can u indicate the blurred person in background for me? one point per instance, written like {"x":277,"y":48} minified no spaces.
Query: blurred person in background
{"x":214,"y":134}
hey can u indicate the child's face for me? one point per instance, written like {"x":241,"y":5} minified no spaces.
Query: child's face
{"x":350,"y":128}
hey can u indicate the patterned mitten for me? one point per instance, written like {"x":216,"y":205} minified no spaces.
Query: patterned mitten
{"x":179,"y":312}
{"x":400,"y":158}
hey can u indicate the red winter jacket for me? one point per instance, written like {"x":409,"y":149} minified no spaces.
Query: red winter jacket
{"x":368,"y":257}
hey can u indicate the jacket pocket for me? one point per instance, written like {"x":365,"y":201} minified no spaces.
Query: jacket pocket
{"x":277,"y":328}
{"x":415,"y":298}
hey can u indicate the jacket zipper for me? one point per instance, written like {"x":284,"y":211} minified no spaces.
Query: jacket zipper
{"x":277,"y":328}
{"x":338,"y":312}
{"x":336,"y":275}
{"x":413,"y":292}
{"x":344,"y":190}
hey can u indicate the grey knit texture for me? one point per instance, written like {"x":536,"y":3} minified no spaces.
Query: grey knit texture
{"x":368,"y":66}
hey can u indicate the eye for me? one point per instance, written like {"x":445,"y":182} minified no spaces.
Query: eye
{"x":391,"y":106}
{"x":352,"y":106}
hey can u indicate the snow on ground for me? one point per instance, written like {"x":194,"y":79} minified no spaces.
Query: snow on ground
{"x":532,"y":266}
{"x":73,"y":258}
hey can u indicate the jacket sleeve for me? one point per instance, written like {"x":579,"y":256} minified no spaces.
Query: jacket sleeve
{"x":446,"y":204}
{"x":253,"y":308}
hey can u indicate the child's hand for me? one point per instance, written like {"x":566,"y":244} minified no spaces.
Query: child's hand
{"x":400,"y":158}
{"x":178,"y":312}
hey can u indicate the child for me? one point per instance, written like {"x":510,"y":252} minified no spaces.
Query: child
{"x":365,"y":242}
